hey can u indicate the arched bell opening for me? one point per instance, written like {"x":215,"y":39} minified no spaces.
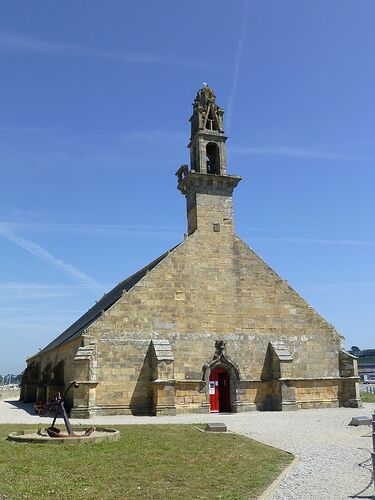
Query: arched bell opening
{"x":213,"y":158}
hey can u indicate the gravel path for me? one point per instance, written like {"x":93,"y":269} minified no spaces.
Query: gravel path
{"x":334,"y":459}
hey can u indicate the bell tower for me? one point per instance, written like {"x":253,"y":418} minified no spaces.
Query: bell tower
{"x":206,"y":185}
{"x":207,"y":142}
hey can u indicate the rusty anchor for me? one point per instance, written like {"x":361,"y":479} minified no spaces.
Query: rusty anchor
{"x":55,"y":407}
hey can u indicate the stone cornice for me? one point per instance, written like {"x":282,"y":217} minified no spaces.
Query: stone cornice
{"x":195,"y":181}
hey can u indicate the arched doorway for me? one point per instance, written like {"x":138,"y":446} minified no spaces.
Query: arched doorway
{"x":219,"y":391}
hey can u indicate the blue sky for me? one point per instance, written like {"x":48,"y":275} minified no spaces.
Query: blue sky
{"x":95,"y":101}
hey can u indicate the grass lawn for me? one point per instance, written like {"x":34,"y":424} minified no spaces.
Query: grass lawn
{"x":367,"y":397}
{"x":148,"y":461}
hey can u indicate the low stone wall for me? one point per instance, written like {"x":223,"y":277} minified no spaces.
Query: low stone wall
{"x":9,"y":392}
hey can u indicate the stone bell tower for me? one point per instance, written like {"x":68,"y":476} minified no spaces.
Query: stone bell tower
{"x":207,"y":187}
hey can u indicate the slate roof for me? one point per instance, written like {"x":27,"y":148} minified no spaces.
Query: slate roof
{"x":75,"y":330}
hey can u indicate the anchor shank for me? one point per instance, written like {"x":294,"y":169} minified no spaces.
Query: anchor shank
{"x":66,"y":420}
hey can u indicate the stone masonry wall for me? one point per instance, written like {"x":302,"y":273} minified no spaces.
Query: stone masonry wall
{"x":211,"y":286}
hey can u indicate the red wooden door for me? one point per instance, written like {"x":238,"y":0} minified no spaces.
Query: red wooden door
{"x":219,"y":391}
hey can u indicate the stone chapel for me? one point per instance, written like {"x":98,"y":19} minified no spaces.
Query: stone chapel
{"x":206,"y":327}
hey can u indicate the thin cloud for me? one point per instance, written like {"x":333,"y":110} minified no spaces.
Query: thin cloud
{"x":154,"y":231}
{"x":15,"y":41}
{"x":49,"y":325}
{"x":32,"y":291}
{"x":295,"y":152}
{"x":83,"y":160}
{"x":320,"y":241}
{"x":52,"y":225}
{"x":98,"y":229}
{"x":342,"y":287}
{"x":36,"y":313}
{"x":22,"y":130}
{"x":156,"y":137}
{"x":237,"y":64}
{"x":42,"y":254}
